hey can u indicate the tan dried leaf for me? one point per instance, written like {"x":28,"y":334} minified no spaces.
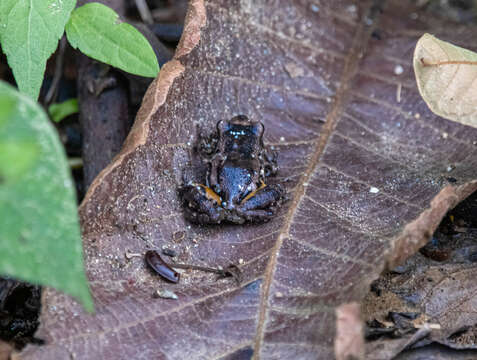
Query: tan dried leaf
{"x":349,"y":340}
{"x":6,"y":350}
{"x":445,"y":76}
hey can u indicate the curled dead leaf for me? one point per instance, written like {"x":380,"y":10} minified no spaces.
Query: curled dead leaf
{"x":418,"y":232}
{"x":445,"y":76}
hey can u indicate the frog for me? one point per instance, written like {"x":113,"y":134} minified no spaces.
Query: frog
{"x":235,"y":188}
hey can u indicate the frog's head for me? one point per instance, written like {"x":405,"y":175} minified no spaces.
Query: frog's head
{"x":241,"y":137}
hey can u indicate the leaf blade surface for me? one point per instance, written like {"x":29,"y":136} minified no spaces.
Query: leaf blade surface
{"x":96,"y":30}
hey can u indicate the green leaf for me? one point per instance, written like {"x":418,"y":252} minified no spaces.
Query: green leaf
{"x":59,"y":111}
{"x":40,"y":239}
{"x":29,"y":33}
{"x":97,"y":31}
{"x":6,"y":107}
{"x":16,"y":157}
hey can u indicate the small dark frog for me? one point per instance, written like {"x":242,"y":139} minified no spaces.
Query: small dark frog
{"x":235,"y":189}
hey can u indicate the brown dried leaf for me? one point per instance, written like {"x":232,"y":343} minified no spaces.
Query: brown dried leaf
{"x":390,"y":348}
{"x":448,"y":298}
{"x":445,"y":76}
{"x":443,"y":294}
{"x":440,"y":292}
{"x":417,"y":233}
{"x":358,"y":165}
{"x":437,"y":352}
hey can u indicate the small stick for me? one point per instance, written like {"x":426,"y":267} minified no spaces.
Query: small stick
{"x":52,"y":91}
{"x":164,"y":14}
{"x":428,"y":325}
{"x":200,"y":268}
{"x":75,"y":162}
{"x":129,"y":255}
{"x":144,"y":11}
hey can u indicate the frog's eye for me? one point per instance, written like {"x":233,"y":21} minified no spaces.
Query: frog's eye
{"x":257,"y":129}
{"x":222,"y":126}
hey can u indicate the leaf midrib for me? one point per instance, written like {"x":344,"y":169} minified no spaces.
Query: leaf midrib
{"x":352,"y":61}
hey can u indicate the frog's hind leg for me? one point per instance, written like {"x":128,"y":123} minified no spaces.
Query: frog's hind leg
{"x":262,"y":204}
{"x":201,"y":204}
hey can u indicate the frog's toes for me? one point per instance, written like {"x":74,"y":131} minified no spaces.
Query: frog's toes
{"x":201,"y":204}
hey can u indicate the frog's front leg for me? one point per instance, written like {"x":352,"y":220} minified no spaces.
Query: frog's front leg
{"x":213,"y":179}
{"x":261,"y":205}
{"x":270,"y":167}
{"x":202,"y":204}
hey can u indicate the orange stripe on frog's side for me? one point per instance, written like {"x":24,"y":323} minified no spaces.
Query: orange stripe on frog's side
{"x":262,"y":185}
{"x":210,"y":194}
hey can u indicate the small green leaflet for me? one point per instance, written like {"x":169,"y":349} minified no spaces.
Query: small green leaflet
{"x":40,"y":239}
{"x":29,"y":34}
{"x":59,"y":111}
{"x":97,"y":31}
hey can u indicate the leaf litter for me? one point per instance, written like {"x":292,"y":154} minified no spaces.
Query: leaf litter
{"x":436,"y":285}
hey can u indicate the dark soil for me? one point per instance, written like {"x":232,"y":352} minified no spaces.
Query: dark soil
{"x":20,"y":305}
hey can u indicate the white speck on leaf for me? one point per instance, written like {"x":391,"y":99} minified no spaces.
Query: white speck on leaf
{"x":294,"y":70}
{"x":166,"y":294}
